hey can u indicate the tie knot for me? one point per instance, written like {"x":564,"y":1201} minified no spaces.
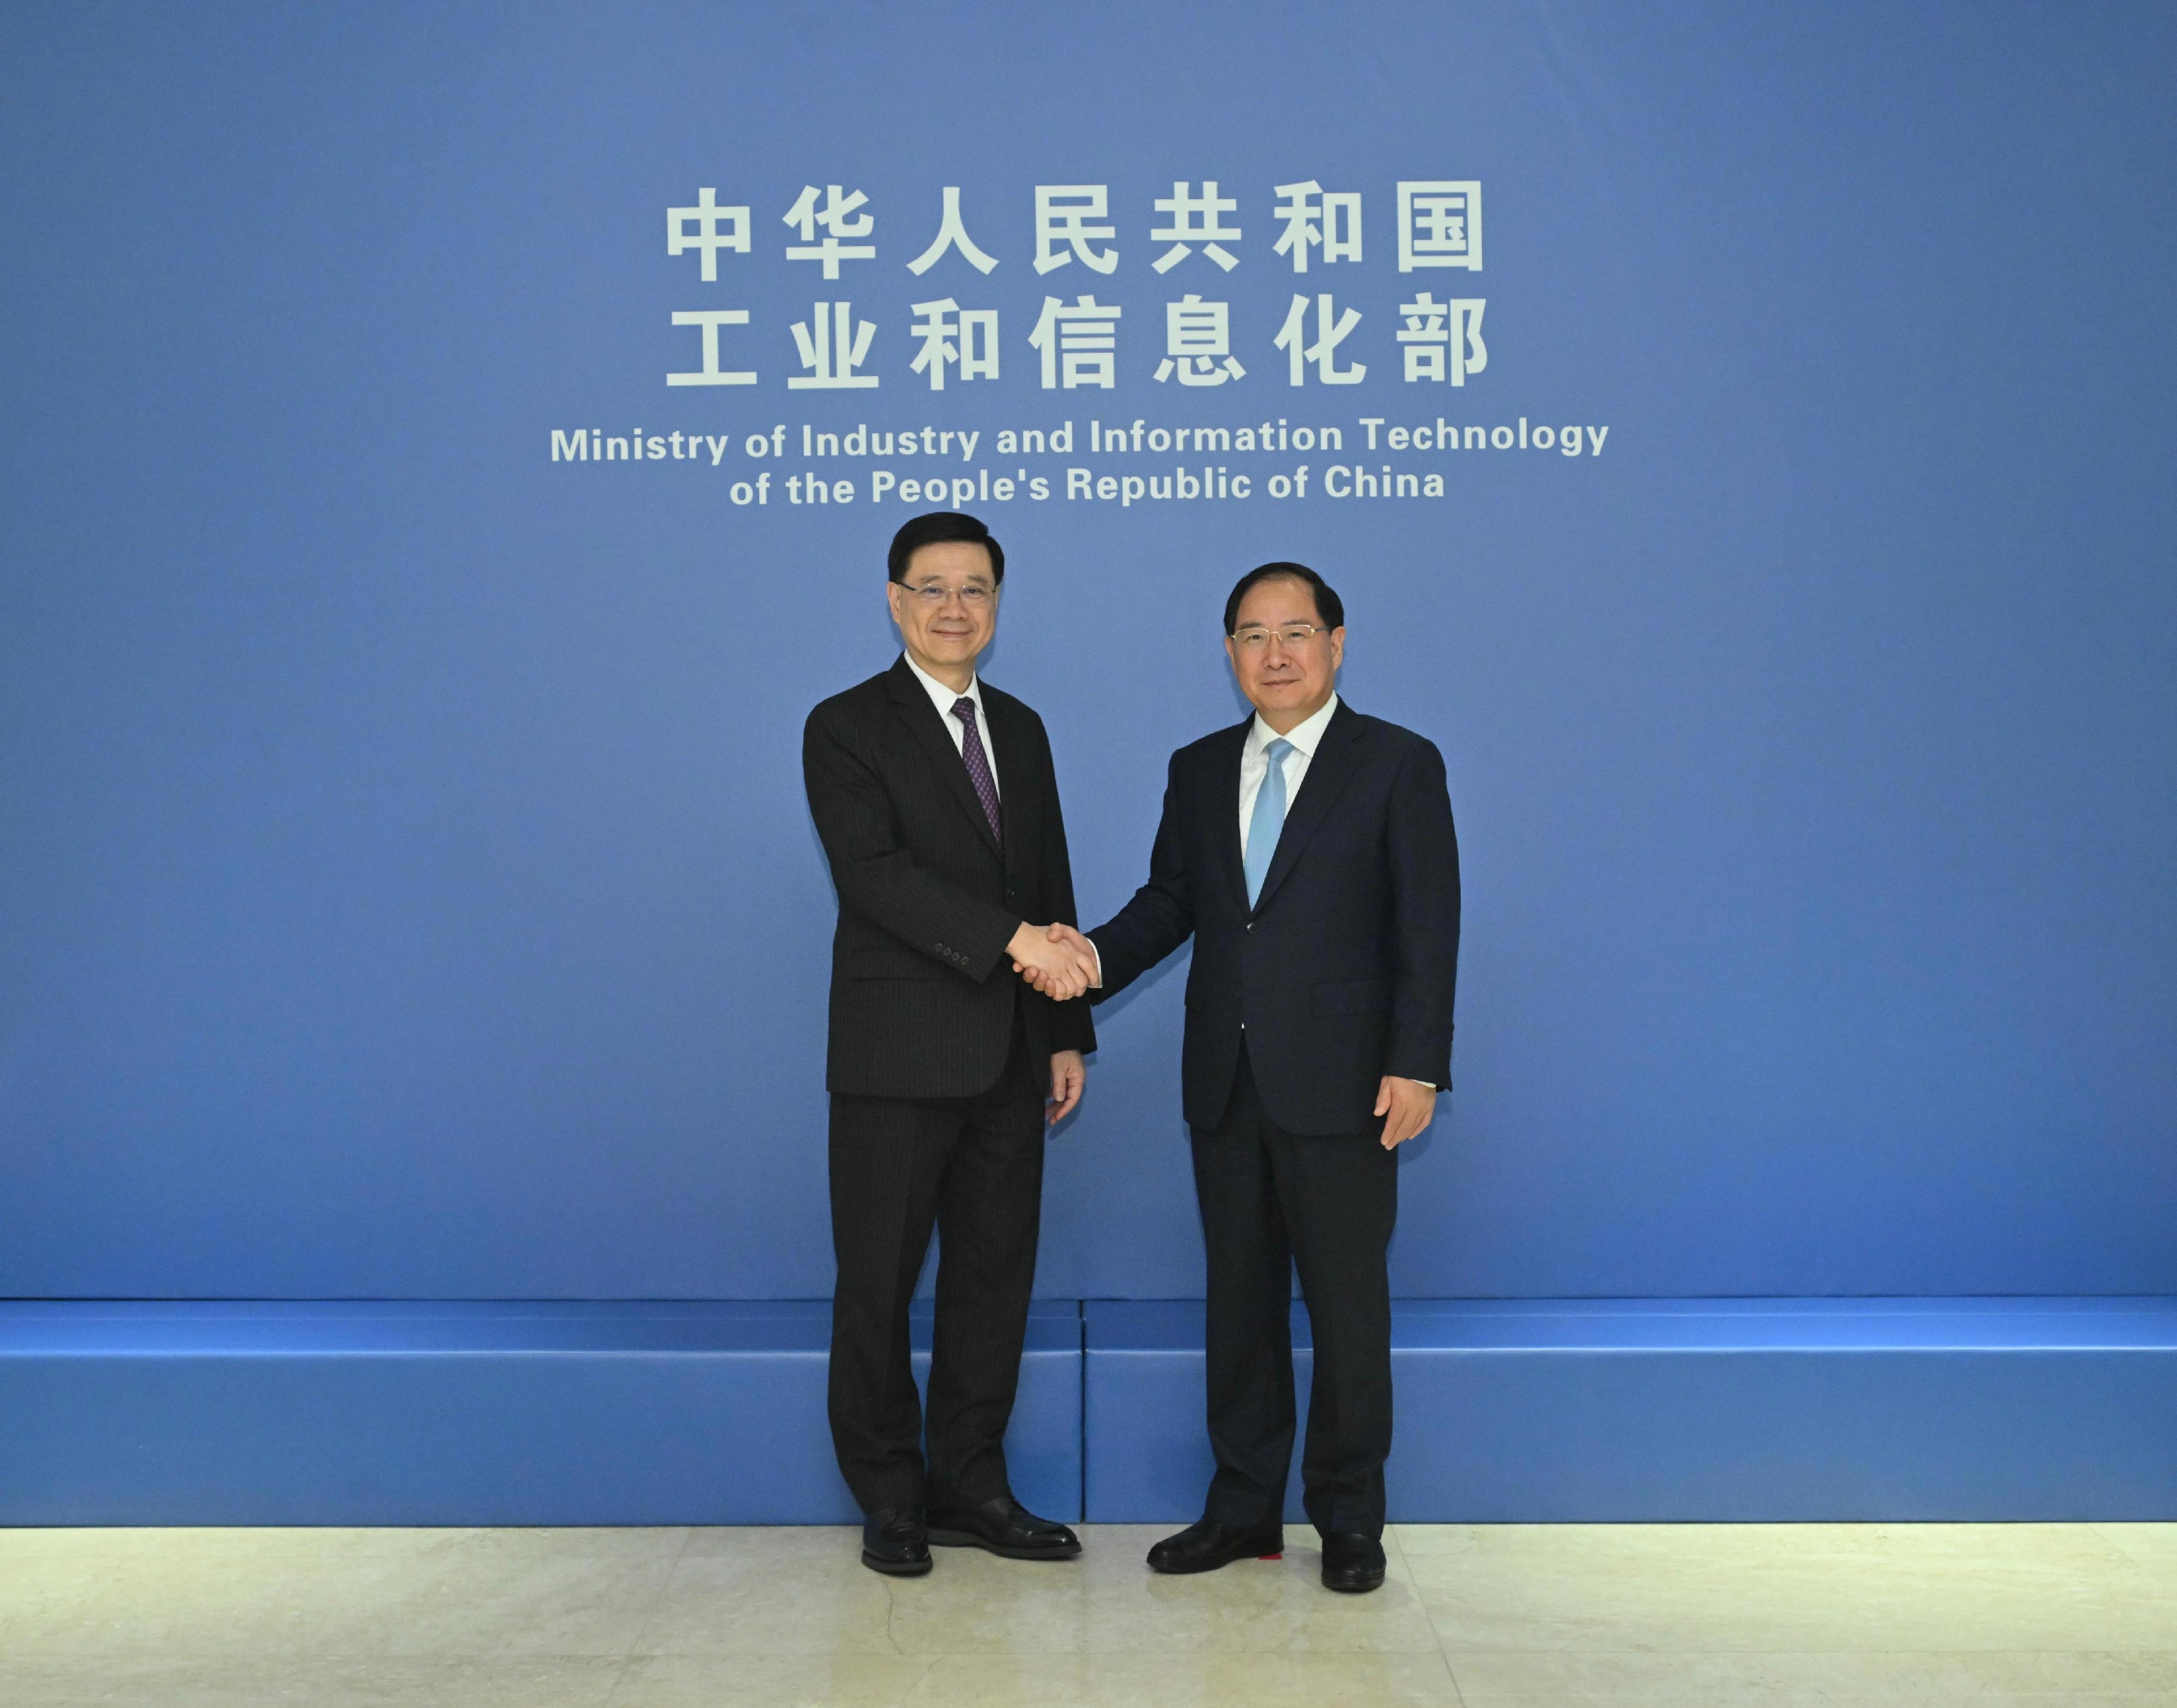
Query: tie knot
{"x":964,"y":708}
{"x":1278,"y":749}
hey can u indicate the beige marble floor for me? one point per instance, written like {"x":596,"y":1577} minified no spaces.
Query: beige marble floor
{"x":1509,"y":1617}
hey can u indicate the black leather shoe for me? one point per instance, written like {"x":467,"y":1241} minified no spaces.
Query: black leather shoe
{"x":1352,"y":1564}
{"x":1204,"y":1546}
{"x":1003,"y":1526}
{"x":893,"y":1542}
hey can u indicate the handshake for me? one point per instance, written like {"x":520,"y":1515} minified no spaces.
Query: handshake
{"x":1055,"y":959}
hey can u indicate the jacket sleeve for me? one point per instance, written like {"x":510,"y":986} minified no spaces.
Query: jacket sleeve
{"x":1424,"y":850}
{"x":1071,"y":1028}
{"x":880,"y":880}
{"x":1159,"y":918}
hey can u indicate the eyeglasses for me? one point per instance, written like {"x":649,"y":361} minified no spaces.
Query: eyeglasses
{"x":1290,"y":636}
{"x":934,"y":594}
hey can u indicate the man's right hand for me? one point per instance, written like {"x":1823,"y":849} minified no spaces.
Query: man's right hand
{"x":1054,"y":959}
{"x":1059,"y":932}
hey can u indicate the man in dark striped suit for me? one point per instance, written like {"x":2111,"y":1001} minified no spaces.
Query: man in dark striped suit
{"x":935,"y":800}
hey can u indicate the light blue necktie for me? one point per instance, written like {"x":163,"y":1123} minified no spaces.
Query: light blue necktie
{"x":1268,"y":819}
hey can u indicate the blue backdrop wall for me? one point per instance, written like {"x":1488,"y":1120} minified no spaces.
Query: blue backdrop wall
{"x":407,"y":886}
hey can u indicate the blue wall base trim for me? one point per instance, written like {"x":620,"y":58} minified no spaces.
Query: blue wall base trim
{"x":1537,"y":1411}
{"x":1674,"y":1411}
{"x":460,"y":1414}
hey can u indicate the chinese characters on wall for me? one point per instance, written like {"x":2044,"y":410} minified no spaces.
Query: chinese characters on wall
{"x":1193,"y":238}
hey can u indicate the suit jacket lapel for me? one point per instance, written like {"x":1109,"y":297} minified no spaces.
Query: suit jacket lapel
{"x":921,"y":715}
{"x":1225,"y":812}
{"x":1337,"y":757}
{"x":1008,"y":755}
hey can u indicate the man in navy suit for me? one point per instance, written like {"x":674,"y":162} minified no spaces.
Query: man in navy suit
{"x":1309,"y":853}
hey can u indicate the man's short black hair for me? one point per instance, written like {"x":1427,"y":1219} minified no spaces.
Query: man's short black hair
{"x":936,"y":528}
{"x":1328,"y":605}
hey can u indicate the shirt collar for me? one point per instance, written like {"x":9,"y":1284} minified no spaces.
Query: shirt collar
{"x":1306,"y":736}
{"x":942,"y":697}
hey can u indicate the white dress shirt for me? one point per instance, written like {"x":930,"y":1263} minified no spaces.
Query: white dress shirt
{"x":943,"y":698}
{"x":1255,"y":762}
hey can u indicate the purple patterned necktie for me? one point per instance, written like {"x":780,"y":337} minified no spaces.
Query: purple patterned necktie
{"x":978,"y":767}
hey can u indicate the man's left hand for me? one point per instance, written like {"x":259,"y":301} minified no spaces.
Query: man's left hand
{"x":1068,"y":1074}
{"x":1410,"y":1105}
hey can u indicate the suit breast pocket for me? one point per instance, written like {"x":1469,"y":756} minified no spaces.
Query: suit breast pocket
{"x":1351,"y":995}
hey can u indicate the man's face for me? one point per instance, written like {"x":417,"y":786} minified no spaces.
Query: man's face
{"x":947,"y":605}
{"x":1288,"y":679}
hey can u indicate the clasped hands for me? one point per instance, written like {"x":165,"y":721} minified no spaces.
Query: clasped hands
{"x":1055,"y":959}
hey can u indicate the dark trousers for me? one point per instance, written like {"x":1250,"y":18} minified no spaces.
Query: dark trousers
{"x":1272,"y":1200}
{"x":973,"y":1168}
